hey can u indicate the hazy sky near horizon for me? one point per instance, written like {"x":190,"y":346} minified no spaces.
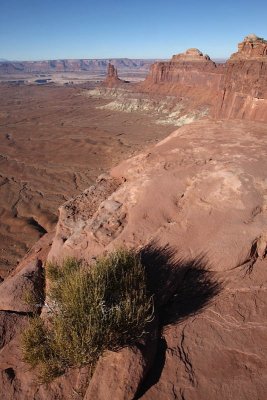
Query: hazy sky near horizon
{"x":52,"y":29}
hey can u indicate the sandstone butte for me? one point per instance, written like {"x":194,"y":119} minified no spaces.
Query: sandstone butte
{"x":112,"y":78}
{"x":234,"y":90}
{"x":201,"y":195}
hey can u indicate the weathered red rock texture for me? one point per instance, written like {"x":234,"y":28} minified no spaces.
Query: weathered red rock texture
{"x":112,"y":78}
{"x":237,"y":89}
{"x":189,"y":68}
{"x":191,"y":75}
{"x":200,"y":191}
{"x":252,"y":47}
{"x":244,"y":84}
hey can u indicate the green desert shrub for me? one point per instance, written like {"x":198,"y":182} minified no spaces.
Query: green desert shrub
{"x":91,"y":309}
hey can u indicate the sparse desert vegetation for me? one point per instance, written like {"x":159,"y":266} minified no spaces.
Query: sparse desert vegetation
{"x":91,"y":309}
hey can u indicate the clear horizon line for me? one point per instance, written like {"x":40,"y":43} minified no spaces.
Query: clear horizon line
{"x":98,"y":58}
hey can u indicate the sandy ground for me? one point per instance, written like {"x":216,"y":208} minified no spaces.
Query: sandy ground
{"x":53,"y":144}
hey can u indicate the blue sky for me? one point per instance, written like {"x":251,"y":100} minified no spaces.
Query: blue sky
{"x":51,"y":29}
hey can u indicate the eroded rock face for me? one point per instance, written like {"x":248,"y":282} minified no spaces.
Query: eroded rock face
{"x":112,"y":71}
{"x":184,"y":72}
{"x":189,"y":75}
{"x":252,"y":47}
{"x":207,"y":174}
{"x":112,"y":78}
{"x":200,"y":191}
{"x":244,"y":84}
{"x":191,"y":55}
{"x":235,"y":90}
{"x":87,"y":208}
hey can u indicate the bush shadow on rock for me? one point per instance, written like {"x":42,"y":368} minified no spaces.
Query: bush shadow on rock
{"x":182,"y":288}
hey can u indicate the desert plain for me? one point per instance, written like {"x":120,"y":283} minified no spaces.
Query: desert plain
{"x":55,"y":141}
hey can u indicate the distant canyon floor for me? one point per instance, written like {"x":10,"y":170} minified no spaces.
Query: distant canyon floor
{"x":54,"y":143}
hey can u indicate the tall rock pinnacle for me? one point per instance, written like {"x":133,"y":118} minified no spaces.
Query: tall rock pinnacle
{"x":112,"y":78}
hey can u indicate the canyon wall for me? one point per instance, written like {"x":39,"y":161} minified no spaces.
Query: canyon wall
{"x":236,"y":89}
{"x":189,"y":68}
{"x":68,"y":65}
{"x":188,"y":75}
{"x":244,"y":85}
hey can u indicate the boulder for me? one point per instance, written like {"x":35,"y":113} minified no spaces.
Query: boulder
{"x":16,"y":287}
{"x":119,"y":375}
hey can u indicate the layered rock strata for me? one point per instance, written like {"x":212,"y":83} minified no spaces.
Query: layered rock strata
{"x":68,"y":65}
{"x":190,"y":74}
{"x":236,"y":89}
{"x":244,"y":84}
{"x":252,"y":47}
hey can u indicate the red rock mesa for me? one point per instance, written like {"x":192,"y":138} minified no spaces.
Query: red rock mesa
{"x":236,"y":89}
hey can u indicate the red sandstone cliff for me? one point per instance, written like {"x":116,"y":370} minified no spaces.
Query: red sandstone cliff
{"x":252,"y":47}
{"x":189,"y":74}
{"x":236,"y":89}
{"x":244,"y":83}
{"x":189,"y":68}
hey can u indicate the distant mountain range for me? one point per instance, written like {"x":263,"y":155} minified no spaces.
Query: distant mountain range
{"x":68,"y":65}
